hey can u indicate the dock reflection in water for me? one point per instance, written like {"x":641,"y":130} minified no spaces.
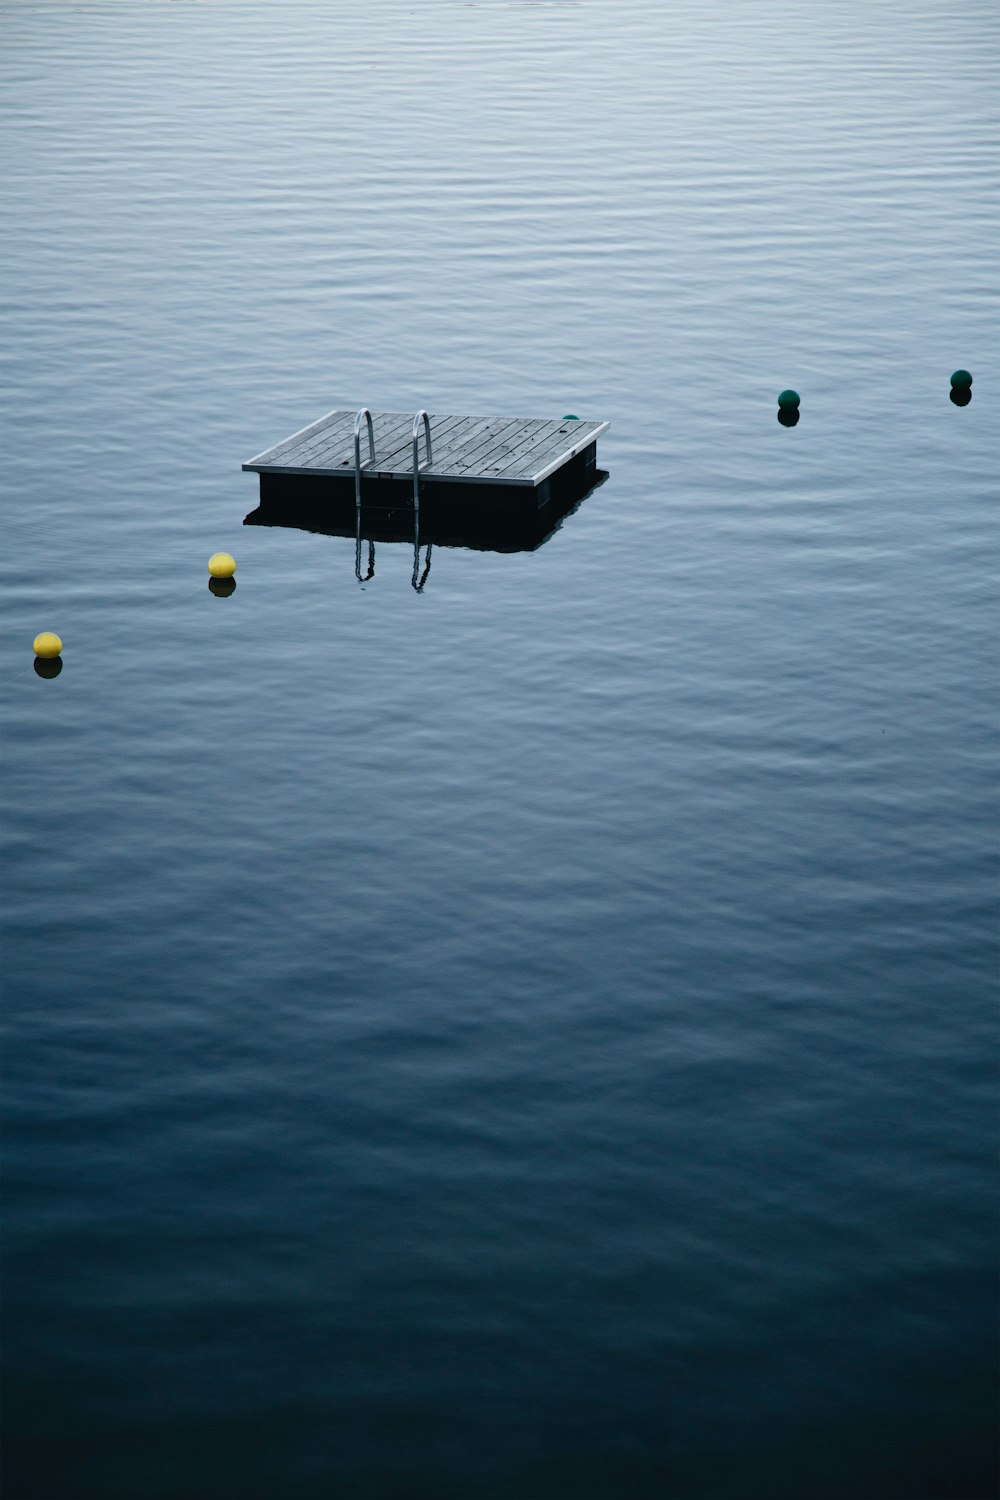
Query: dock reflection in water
{"x":449,"y":516}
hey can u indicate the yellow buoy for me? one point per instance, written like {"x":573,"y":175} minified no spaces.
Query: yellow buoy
{"x":47,"y":645}
{"x":221,"y":565}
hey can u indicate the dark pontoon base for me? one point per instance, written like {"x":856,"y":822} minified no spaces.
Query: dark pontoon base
{"x":497,"y":520}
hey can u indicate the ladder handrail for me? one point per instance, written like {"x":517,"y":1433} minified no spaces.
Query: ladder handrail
{"x":416,"y":446}
{"x":421,"y":416}
{"x":357,"y":559}
{"x":416,"y":580}
{"x":364,"y":412}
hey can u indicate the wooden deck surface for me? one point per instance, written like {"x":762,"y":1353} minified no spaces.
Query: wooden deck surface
{"x":466,"y":450}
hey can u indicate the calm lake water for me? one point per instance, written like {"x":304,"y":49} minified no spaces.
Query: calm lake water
{"x":532,"y":1038}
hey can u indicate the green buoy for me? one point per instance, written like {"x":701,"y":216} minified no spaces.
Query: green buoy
{"x":789,"y":400}
{"x":572,"y":417}
{"x":961,"y":380}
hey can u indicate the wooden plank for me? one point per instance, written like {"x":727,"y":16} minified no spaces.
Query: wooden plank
{"x":479,"y":454}
{"x":560,"y":446}
{"x":303,"y":450}
{"x":279,"y":450}
{"x":334,"y":448}
{"x":337,"y":433}
{"x":394,"y":442}
{"x":269,"y":454}
{"x":487,"y":450}
{"x":543,"y":460}
{"x":506,"y":441}
{"x":586,"y":439}
{"x":463,"y":448}
{"x":393,"y":446}
{"x":450,"y":437}
{"x":340,"y":441}
{"x":542,"y":436}
{"x":560,"y":439}
{"x":390,"y":432}
{"x":465,"y":455}
{"x":401,"y":460}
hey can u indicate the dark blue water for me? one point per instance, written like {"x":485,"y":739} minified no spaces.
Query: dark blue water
{"x":536,"y":1037}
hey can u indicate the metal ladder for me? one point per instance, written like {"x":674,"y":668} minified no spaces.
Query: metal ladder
{"x":421,"y":416}
{"x":364,"y":412}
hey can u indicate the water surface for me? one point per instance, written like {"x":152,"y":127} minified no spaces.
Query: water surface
{"x":534,"y":1037}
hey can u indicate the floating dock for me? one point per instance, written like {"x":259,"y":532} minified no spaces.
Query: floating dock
{"x":489,"y":528}
{"x":382,"y":454}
